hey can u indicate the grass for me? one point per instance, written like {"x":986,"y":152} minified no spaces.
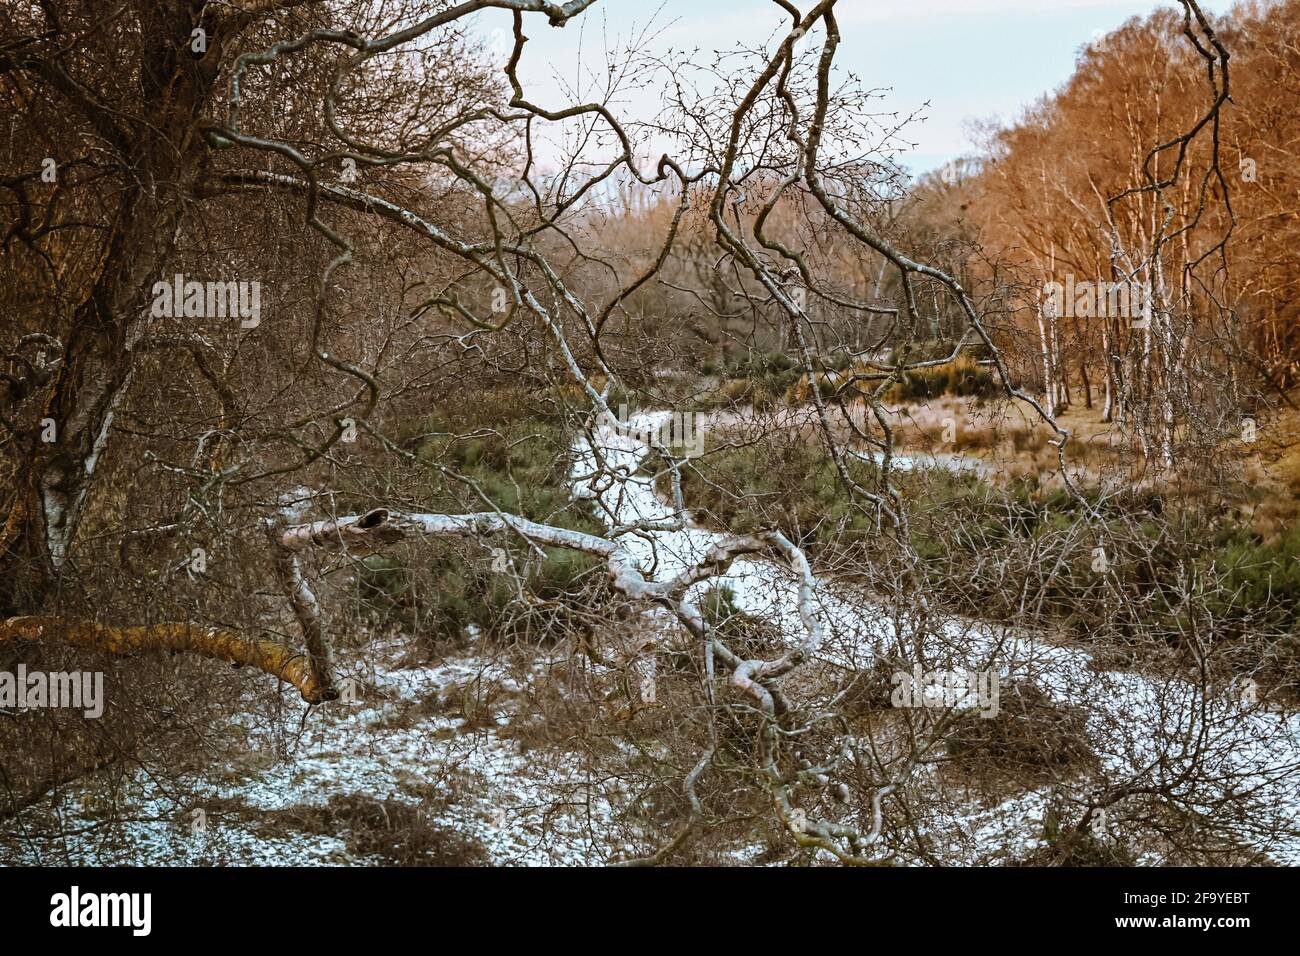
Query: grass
{"x":962,"y":377}
{"x":1032,"y":740}
{"x":785,"y":482}
{"x":516,"y":452}
{"x":1023,"y":551}
{"x":1273,"y":471}
{"x":394,"y":831}
{"x":766,"y":379}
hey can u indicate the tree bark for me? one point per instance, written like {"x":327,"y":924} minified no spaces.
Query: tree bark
{"x":159,"y":157}
{"x":268,"y":656}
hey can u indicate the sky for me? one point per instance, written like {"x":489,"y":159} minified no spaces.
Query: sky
{"x":972,"y":60}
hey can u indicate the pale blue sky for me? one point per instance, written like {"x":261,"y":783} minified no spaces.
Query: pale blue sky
{"x":972,"y":59}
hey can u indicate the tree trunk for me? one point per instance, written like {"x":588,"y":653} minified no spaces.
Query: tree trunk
{"x":160,"y":163}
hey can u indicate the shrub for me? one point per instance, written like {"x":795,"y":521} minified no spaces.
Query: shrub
{"x":393,"y":831}
{"x":1032,"y":739}
{"x":963,"y":376}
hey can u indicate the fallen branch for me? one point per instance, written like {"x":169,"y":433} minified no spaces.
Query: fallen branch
{"x":272,"y":658}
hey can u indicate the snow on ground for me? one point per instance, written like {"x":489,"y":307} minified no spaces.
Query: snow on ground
{"x":514,"y":803}
{"x":917,"y":461}
{"x":538,"y":807}
{"x":1135,"y":721}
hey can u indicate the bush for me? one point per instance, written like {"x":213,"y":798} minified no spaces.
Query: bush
{"x":393,"y":831}
{"x":746,"y":635}
{"x":1032,"y":739}
{"x":518,"y":457}
{"x":962,"y":377}
{"x":787,"y":484}
{"x":1255,"y":575}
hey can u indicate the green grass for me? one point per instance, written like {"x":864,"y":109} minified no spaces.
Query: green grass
{"x":981,"y":546}
{"x":517,"y":454}
{"x":788,"y":485}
